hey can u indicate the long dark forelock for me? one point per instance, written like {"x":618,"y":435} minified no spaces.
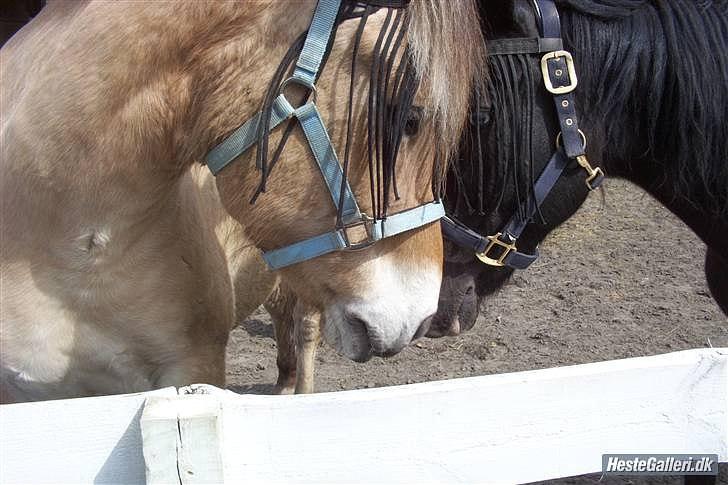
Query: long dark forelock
{"x":662,"y":63}
{"x":509,"y":165}
{"x":391,"y":95}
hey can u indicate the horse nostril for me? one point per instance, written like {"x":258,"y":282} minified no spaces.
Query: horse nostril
{"x":357,"y":322}
{"x":370,"y":339}
{"x":358,"y":326}
{"x":469,"y":290}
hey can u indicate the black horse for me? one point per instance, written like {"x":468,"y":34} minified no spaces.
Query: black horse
{"x":14,"y":14}
{"x":652,"y":101}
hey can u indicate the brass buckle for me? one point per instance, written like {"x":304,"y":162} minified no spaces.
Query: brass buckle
{"x":358,"y":235}
{"x":569,"y":66}
{"x":495,"y":241}
{"x":592,"y":173}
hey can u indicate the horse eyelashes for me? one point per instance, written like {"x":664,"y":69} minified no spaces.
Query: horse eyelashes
{"x":414,"y":118}
{"x":481,"y":117}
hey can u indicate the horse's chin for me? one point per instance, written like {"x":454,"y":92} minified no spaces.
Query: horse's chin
{"x":468,"y":313}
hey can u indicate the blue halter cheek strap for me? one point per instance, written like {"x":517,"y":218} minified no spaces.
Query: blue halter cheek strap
{"x":358,"y":230}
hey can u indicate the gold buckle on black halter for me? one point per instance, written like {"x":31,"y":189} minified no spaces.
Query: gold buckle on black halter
{"x":569,"y":67}
{"x":507,"y":248}
{"x":593,"y":173}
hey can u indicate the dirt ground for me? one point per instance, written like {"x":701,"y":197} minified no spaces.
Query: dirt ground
{"x":623,"y":278}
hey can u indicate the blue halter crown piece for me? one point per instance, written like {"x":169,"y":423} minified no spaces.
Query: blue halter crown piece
{"x":359,"y":230}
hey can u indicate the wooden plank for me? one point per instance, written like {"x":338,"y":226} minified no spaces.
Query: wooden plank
{"x":517,"y":427}
{"x":181,"y":439}
{"x":91,"y":440}
{"x":160,"y":437}
{"x":200,"y":454}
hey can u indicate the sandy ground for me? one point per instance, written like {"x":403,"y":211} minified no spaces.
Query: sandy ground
{"x":623,"y":278}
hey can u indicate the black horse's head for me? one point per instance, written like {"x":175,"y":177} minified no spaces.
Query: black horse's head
{"x":511,"y":139}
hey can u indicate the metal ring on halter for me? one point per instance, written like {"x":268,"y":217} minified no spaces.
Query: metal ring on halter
{"x":583,"y":140}
{"x":310,"y":87}
{"x":365,"y":236}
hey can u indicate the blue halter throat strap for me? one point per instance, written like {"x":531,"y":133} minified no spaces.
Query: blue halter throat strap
{"x":358,"y":230}
{"x":559,"y":77}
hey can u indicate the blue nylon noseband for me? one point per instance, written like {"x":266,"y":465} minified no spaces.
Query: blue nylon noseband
{"x":359,"y":230}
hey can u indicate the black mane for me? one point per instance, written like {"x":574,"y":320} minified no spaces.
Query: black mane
{"x":665,"y":64}
{"x":653,"y":88}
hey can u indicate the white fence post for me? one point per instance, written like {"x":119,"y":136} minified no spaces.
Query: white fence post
{"x":182,"y":439}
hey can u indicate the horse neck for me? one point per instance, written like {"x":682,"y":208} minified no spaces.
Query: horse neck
{"x":656,"y":111}
{"x":106,"y":106}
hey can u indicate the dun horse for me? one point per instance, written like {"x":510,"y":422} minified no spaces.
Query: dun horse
{"x":121,"y":272}
{"x":651,"y":101}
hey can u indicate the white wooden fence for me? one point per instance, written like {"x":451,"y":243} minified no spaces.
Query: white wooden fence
{"x":517,"y":427}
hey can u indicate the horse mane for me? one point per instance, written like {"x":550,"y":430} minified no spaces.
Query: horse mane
{"x":661,"y":63}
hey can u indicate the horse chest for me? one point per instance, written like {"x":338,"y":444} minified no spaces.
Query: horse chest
{"x":107,"y":330}
{"x":49,"y":352}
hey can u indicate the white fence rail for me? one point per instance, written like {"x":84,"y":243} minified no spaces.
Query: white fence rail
{"x":511,"y":428}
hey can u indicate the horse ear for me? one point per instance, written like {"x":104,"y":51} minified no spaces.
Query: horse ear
{"x":496,"y":14}
{"x":525,"y":18}
{"x":508,"y":18}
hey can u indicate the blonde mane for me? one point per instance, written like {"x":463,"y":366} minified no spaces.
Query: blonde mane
{"x":448,"y":48}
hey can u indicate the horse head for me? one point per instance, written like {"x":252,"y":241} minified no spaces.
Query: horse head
{"x":393,"y":102}
{"x":147,"y":89}
{"x":512,"y":137}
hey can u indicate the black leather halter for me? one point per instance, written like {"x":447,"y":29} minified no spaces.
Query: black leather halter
{"x":559,"y":77}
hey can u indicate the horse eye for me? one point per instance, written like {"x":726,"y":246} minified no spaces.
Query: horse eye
{"x":414,"y":117}
{"x":480,"y":117}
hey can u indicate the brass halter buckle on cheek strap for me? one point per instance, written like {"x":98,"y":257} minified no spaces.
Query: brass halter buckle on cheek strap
{"x":548,"y":83}
{"x":508,"y":246}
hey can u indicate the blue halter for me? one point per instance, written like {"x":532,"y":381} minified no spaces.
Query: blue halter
{"x":358,"y":230}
